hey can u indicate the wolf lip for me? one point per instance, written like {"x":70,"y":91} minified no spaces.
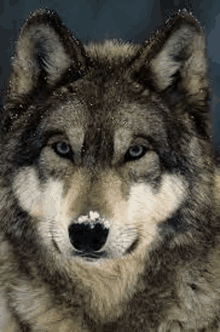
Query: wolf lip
{"x":133,"y":246}
{"x":90,"y":254}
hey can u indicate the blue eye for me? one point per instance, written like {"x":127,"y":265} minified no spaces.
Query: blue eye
{"x":135,"y":152}
{"x":62,"y":149}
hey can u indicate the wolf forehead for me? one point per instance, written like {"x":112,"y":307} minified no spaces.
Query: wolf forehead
{"x":105,"y":129}
{"x":88,"y":108}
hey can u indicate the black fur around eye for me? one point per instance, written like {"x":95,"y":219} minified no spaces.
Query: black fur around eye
{"x":63,"y":149}
{"x":135,"y":152}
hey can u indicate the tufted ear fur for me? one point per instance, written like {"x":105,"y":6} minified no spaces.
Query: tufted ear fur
{"x":176,"y":57}
{"x":183,"y":52}
{"x":44,"y":51}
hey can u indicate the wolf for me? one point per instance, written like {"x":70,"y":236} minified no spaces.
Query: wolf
{"x":109,"y":192}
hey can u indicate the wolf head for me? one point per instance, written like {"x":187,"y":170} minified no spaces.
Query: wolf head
{"x":106,"y":157}
{"x":106,"y":147}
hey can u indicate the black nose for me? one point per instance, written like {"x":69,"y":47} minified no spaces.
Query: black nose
{"x":87,"y":237}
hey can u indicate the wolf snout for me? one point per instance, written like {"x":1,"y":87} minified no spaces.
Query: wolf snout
{"x":89,"y":233}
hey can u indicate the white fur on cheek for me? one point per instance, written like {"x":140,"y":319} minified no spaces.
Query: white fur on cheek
{"x":38,"y":201}
{"x":148,"y":208}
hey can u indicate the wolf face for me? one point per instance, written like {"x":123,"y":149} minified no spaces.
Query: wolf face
{"x":106,"y":159}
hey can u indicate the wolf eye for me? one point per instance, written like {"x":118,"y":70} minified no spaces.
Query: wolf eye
{"x":135,"y":152}
{"x":62,"y":149}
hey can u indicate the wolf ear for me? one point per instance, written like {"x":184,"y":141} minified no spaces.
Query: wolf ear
{"x":44,"y":51}
{"x":178,"y":52}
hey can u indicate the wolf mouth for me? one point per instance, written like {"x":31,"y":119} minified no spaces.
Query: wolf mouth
{"x":92,"y":255}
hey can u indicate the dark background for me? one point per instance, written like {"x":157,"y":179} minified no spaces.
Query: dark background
{"x":132,"y":20}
